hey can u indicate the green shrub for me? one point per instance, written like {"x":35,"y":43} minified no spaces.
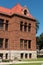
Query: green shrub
{"x":5,"y":60}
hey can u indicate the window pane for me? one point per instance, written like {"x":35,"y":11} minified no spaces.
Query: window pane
{"x":25,"y":12}
{"x":6,"y":55}
{"x":6,"y":25}
{"x":1,"y":42}
{"x":29,"y":43}
{"x":25,"y":43}
{"x":21,"y":43}
{"x":29,"y":27}
{"x":22,"y":55}
{"x":1,"y":23}
{"x":21,"y":26}
{"x":6,"y":43}
{"x":25,"y":26}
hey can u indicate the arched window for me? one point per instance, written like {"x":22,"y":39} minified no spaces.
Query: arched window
{"x":25,"y":12}
{"x":21,"y":26}
{"x":29,"y":26}
{"x":25,"y":26}
{"x":21,"y":43}
{"x":25,"y":44}
{"x":6,"y":26}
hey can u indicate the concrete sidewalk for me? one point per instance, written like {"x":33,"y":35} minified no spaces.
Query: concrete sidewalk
{"x":19,"y":62}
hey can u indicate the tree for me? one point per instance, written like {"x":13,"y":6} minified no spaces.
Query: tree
{"x":39,"y":41}
{"x":37,"y":25}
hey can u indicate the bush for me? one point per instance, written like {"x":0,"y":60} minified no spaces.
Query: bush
{"x":5,"y":60}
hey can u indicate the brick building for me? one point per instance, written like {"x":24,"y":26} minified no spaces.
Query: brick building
{"x":17,"y":33}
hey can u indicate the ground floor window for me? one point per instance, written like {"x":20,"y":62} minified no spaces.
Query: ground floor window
{"x":26,"y":55}
{"x":30,"y":55}
{"x":1,"y":42}
{"x":1,"y":55}
{"x":21,"y":55}
{"x":6,"y":56}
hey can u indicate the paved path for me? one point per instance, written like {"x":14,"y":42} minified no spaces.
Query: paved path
{"x":19,"y":62}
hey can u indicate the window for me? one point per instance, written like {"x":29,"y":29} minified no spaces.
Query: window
{"x":1,"y":55}
{"x":29,"y":43}
{"x":21,"y":26}
{"x":25,"y":43}
{"x":6,"y":55}
{"x":25,"y":26}
{"x":25,"y":12}
{"x":1,"y":42}
{"x":6,"y":43}
{"x":30,"y":55}
{"x":1,"y":23}
{"x":26,"y":55}
{"x":21,"y":43}
{"x":6,"y":25}
{"x":29,"y":27}
{"x":22,"y":55}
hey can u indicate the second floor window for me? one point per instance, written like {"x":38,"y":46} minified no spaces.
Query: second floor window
{"x":21,"y":26}
{"x":21,"y":43}
{"x":25,"y":27}
{"x":1,"y":42}
{"x":6,"y":25}
{"x":1,"y":23}
{"x":25,"y":43}
{"x":29,"y":43}
{"x":29,"y":27}
{"x":6,"y":43}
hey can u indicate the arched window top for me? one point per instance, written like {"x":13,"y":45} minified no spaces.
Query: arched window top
{"x":25,"y":23}
{"x":21,"y":22}
{"x":25,"y":12}
{"x":21,"y":25}
{"x":29,"y":24}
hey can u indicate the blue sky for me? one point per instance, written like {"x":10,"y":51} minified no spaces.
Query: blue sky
{"x":35,"y":7}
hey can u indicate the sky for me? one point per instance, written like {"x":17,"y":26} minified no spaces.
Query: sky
{"x":35,"y":7}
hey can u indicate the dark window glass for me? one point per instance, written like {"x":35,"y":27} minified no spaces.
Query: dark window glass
{"x":22,"y":55}
{"x":1,"y":23}
{"x":30,"y":55}
{"x":26,"y":55}
{"x":25,"y":12}
{"x":21,"y":43}
{"x":6,"y":26}
{"x":25,"y":26}
{"x":6,"y":43}
{"x":1,"y":42}
{"x":21,"y":26}
{"x":29,"y":27}
{"x":6,"y":56}
{"x":29,"y":43}
{"x":25,"y":43}
{"x":1,"y":55}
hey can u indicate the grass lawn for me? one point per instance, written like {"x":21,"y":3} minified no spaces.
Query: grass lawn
{"x":28,"y":64}
{"x":38,"y":59}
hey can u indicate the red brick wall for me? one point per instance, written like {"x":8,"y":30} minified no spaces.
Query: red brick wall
{"x":14,"y":34}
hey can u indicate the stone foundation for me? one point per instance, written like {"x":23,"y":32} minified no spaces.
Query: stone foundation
{"x":12,"y":55}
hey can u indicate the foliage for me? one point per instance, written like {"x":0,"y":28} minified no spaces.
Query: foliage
{"x":5,"y":60}
{"x":37,"y":26}
{"x":39,"y":41}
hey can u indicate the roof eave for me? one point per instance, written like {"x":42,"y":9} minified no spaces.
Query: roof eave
{"x":18,"y":15}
